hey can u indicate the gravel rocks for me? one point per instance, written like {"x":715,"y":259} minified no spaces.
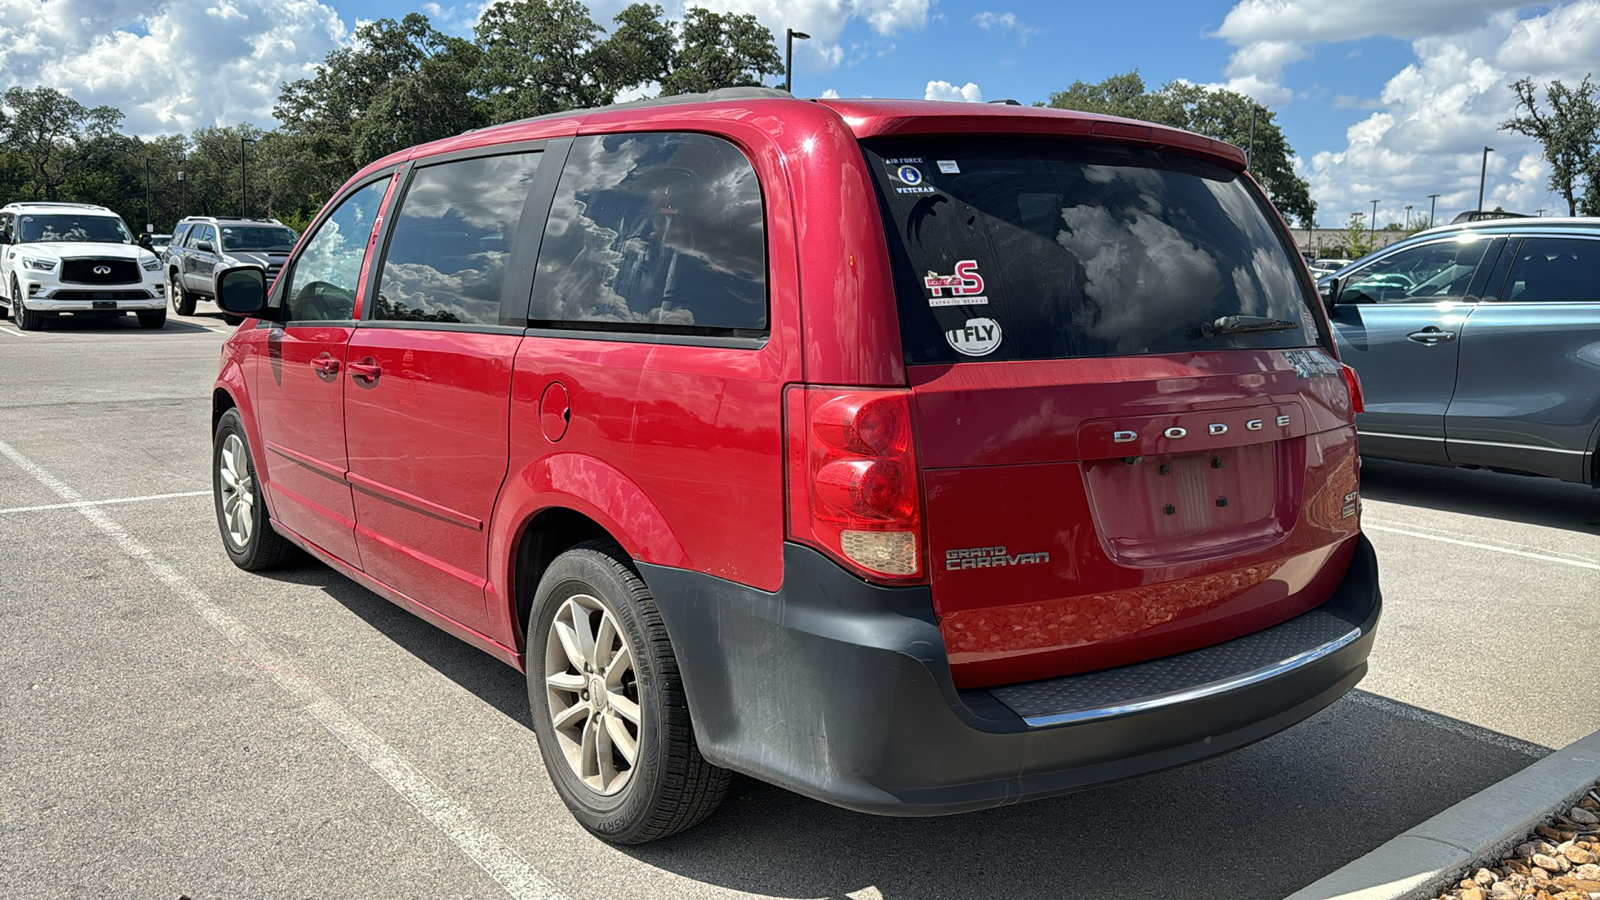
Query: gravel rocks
{"x":1559,"y":861}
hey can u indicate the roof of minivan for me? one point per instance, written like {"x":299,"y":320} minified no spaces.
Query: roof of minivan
{"x":865,"y":118}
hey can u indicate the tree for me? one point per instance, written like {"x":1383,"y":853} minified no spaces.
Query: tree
{"x":1568,"y":132}
{"x":1213,"y":112}
{"x":47,"y":129}
{"x":721,"y":50}
{"x":1358,"y":240}
{"x":543,"y":56}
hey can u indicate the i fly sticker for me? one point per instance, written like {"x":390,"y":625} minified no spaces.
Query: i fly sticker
{"x":949,"y":167}
{"x":979,"y":337}
{"x":965,"y":286}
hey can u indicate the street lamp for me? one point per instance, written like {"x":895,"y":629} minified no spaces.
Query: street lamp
{"x":1372,"y":224}
{"x":1483,"y":176}
{"x":1408,"y":217}
{"x":242,"y":141}
{"x":789,"y":35}
{"x":1433,"y":203}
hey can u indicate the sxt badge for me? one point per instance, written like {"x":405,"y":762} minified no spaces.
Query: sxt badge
{"x":979,"y":337}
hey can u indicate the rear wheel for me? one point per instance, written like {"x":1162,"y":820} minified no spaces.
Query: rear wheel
{"x":608,"y":703}
{"x":241,"y":515}
{"x":182,"y":301}
{"x":155,"y":319}
{"x":27,"y":319}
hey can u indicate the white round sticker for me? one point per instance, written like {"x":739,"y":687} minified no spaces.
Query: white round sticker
{"x":979,"y":337}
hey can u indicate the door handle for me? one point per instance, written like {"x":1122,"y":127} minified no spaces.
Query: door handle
{"x":366,"y":371}
{"x":1431,"y":335}
{"x":326,"y":364}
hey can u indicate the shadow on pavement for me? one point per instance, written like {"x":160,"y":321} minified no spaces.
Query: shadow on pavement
{"x":124,"y":324}
{"x":1479,"y":492}
{"x":1258,"y":823}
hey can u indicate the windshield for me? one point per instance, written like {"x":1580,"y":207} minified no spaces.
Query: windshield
{"x":1019,"y":248}
{"x":69,"y":227}
{"x":259,"y":238}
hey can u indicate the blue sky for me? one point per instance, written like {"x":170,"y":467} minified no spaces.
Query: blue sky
{"x":1379,"y":98}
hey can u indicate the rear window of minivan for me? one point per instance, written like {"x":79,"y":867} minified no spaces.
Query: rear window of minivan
{"x":1032,"y":248}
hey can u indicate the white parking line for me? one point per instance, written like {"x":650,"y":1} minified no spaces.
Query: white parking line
{"x":23,"y":509}
{"x":1454,"y":726}
{"x":479,"y":843}
{"x":1575,"y":563}
{"x":14,"y":332}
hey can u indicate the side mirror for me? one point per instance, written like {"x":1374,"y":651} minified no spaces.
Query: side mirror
{"x":205,"y":247}
{"x":1330,"y":291}
{"x":242,"y":290}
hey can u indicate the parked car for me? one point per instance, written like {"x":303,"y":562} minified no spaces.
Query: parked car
{"x":201,"y":245}
{"x":155,"y":243}
{"x":74,"y":259}
{"x":1478,"y":345}
{"x":916,"y":457}
{"x":1327,"y":266}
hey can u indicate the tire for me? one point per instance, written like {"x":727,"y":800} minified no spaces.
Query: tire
{"x":182,"y":301}
{"x":157,"y":319}
{"x":232,"y":319}
{"x":27,"y":319}
{"x":592,"y":590}
{"x":249,"y":539}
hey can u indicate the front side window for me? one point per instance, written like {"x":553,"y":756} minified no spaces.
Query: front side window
{"x":258,"y":238}
{"x":1554,"y":270}
{"x":75,"y":228}
{"x":1009,"y":248}
{"x":1426,"y":274}
{"x":655,"y":232}
{"x":178,"y":234}
{"x":207,"y":234}
{"x":328,"y":270}
{"x":452,"y":239}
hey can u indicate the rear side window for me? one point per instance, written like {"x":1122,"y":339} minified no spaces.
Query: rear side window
{"x":1014,"y":249}
{"x":452,"y":239}
{"x":1552,"y":270}
{"x":654,"y":232}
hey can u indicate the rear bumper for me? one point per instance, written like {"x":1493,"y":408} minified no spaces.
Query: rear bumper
{"x":840,"y":690}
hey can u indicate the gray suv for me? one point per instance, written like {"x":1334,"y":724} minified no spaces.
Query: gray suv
{"x":1478,"y":345}
{"x":203,"y":245}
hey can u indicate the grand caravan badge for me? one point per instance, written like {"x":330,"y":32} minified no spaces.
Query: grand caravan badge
{"x":979,"y":337}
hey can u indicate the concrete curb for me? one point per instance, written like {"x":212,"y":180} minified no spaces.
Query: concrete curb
{"x":1428,"y":859}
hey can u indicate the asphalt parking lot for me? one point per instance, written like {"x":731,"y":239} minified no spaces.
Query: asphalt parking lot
{"x":170,"y":725}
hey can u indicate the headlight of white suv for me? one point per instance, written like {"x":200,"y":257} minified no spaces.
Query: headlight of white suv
{"x":151,"y":265}
{"x":42,"y":265}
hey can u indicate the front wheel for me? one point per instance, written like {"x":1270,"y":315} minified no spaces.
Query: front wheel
{"x":608,"y":702}
{"x":246,"y":534}
{"x":182,"y":301}
{"x":27,"y":319}
{"x":157,"y":319}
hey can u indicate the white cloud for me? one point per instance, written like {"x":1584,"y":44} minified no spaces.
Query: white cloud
{"x":1429,"y":126}
{"x":170,"y":66}
{"x":1002,"y":22}
{"x":829,"y":94}
{"x":824,"y":20}
{"x":944,"y":90}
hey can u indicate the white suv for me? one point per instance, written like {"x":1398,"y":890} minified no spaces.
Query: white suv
{"x":75,"y":259}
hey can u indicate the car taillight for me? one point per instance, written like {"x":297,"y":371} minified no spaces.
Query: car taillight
{"x":853,"y":479}
{"x":1353,"y":381}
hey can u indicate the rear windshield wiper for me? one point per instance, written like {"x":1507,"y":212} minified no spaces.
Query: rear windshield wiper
{"x":1240,"y":325}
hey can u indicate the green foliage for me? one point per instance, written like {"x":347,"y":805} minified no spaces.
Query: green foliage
{"x":1216,"y":113}
{"x":721,"y":50}
{"x":1569,"y":132}
{"x":1358,"y":241}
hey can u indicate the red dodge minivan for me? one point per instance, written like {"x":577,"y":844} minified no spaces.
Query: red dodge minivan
{"x":916,"y":457}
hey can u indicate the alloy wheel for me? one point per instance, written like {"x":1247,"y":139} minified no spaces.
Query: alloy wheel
{"x":593,"y":693}
{"x":238,"y":491}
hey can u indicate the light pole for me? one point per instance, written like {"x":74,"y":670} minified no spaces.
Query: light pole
{"x":1408,"y":217}
{"x":242,"y":141}
{"x":1433,"y":203}
{"x":1372,"y":225}
{"x":1483,"y":176}
{"x":789,"y":34}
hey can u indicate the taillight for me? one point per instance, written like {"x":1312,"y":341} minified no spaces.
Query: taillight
{"x":853,"y":479}
{"x":1353,"y":381}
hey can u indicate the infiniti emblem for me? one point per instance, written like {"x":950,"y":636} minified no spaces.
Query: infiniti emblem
{"x":102,"y":270}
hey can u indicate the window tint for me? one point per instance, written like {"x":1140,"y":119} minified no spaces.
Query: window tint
{"x":1014,"y":248}
{"x":452,"y":240}
{"x":1429,"y":273}
{"x":178,"y":234}
{"x":323,"y":284}
{"x":1554,"y":269}
{"x":73,"y":227}
{"x":654,"y":232}
{"x":207,"y":233}
{"x":260,"y":238}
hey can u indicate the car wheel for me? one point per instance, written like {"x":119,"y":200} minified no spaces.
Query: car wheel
{"x":232,"y":319}
{"x":241,"y":514}
{"x":155,"y":319}
{"x":182,"y":301}
{"x":27,"y":319}
{"x":608,"y":704}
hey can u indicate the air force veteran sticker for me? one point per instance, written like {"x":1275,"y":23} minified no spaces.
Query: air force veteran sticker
{"x":979,"y":337}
